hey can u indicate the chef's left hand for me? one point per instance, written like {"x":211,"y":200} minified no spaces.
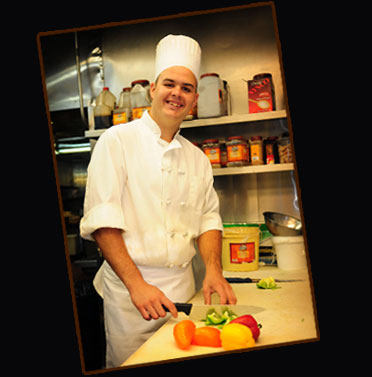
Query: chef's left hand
{"x":215,"y":282}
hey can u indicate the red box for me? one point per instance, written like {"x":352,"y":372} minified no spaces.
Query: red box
{"x":261,"y":94}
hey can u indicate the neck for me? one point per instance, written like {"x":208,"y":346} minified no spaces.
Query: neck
{"x":168,"y":127}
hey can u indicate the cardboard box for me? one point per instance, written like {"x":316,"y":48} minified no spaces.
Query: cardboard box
{"x":261,"y":94}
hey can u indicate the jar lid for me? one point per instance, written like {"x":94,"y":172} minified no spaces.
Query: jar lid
{"x":106,"y":88}
{"x":253,"y":138}
{"x":272,"y":138}
{"x":209,"y":74}
{"x":236,"y":138}
{"x":262,"y":76}
{"x":127,"y":89}
{"x":210,"y":141}
{"x":141,"y":82}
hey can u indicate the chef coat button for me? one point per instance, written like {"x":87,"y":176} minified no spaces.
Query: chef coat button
{"x":169,"y":170}
{"x":171,"y":234}
{"x":182,"y":204}
{"x":171,"y":265}
{"x":185,"y":264}
{"x":168,"y":202}
{"x":180,"y":171}
{"x":185,"y":234}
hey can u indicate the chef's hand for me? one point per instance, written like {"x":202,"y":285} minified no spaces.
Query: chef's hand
{"x":215,"y":282}
{"x":149,"y":299}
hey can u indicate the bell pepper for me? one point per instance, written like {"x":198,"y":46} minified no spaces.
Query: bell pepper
{"x":235,"y":335}
{"x":249,"y":321}
{"x":183,"y":333}
{"x":267,"y":283}
{"x":207,"y":336}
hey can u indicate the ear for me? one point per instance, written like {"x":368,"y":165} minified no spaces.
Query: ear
{"x":195,"y":100}
{"x":152,"y":90}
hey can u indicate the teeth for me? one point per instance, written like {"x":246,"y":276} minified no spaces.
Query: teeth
{"x":174,"y":104}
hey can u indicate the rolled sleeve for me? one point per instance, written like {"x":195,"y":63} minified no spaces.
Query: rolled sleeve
{"x":104,"y":215}
{"x":105,"y":187}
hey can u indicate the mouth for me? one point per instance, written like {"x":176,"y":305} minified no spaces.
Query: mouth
{"x":175,"y":105}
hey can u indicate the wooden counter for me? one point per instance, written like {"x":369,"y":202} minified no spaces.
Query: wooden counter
{"x":286,"y":315}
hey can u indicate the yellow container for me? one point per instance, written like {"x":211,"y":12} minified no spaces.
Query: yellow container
{"x":240,"y":247}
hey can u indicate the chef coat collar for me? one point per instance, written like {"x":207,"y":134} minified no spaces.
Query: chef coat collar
{"x":155,"y":129}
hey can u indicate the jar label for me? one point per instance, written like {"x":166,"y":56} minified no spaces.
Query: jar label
{"x":256,"y":153}
{"x":137,"y":112}
{"x":120,"y":118}
{"x":242,"y":252}
{"x":213,"y":155}
{"x":236,"y":153}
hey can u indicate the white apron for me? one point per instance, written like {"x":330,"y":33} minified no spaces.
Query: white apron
{"x":125,"y":328}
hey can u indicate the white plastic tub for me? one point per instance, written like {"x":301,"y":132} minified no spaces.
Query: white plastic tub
{"x":290,"y":252}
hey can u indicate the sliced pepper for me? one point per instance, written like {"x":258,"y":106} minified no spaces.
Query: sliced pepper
{"x":207,"y":337}
{"x":183,"y":333}
{"x":267,"y":283}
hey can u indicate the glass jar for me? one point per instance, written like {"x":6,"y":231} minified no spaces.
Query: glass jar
{"x":211,"y":148}
{"x":284,"y":149}
{"x":140,"y":98}
{"x":256,"y":150}
{"x":237,"y":151}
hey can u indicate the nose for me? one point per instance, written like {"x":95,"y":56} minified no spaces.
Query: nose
{"x":176,"y":92}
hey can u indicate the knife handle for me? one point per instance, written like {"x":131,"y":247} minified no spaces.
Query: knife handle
{"x":181,"y":307}
{"x":239,"y":280}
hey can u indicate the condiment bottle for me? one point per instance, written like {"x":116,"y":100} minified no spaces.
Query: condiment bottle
{"x":256,"y":150}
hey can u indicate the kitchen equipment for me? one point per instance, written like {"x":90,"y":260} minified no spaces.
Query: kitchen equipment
{"x":280,"y":224}
{"x":199,"y":312}
{"x":234,"y":280}
{"x":240,"y":246}
{"x":290,"y":252}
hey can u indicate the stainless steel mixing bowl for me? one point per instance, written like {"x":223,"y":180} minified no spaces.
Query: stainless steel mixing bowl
{"x":283,"y":225}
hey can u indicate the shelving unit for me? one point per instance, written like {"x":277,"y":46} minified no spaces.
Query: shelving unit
{"x":253,"y":169}
{"x":230,"y":119}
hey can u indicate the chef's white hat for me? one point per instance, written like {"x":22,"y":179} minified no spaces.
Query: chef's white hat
{"x":177,"y":50}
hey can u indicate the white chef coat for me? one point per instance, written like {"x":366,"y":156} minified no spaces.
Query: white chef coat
{"x":161,"y":195}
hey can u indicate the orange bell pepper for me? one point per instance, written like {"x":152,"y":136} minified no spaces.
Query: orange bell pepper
{"x":207,"y":336}
{"x":183,"y":333}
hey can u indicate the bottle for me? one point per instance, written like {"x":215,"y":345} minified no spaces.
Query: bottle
{"x":105,"y":104}
{"x":123,"y":113}
{"x":256,"y":150}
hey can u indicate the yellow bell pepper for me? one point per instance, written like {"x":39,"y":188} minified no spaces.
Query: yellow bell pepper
{"x":235,"y":335}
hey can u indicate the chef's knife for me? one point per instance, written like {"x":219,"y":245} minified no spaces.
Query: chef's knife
{"x":249,"y":280}
{"x":199,"y":312}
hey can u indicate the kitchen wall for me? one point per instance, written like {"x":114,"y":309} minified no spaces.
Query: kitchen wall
{"x":236,"y":44}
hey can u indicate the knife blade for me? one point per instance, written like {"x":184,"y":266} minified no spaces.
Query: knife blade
{"x":199,"y":312}
{"x":249,"y":280}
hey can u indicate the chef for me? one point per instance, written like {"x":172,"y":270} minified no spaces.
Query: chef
{"x":149,"y":199}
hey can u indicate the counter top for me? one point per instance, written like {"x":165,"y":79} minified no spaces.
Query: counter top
{"x":286,"y":315}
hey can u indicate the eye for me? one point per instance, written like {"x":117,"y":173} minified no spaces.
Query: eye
{"x":186,"y":89}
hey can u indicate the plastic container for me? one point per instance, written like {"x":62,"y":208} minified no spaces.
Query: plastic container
{"x":240,"y":247}
{"x":213,"y":96}
{"x":290,"y":252}
{"x":211,"y":148}
{"x":123,"y":113}
{"x":261,"y":93}
{"x":270,"y":150}
{"x":237,"y":151}
{"x":284,"y":149}
{"x":105,"y":104}
{"x":140,"y":98}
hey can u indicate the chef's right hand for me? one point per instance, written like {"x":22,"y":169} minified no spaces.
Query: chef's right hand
{"x":149,"y":299}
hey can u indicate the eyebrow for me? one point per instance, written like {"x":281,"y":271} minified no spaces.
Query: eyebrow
{"x":183,"y":84}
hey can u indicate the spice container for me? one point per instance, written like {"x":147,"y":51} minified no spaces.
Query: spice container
{"x":261,"y":93}
{"x":237,"y":151}
{"x":284,"y":148}
{"x":256,"y":150}
{"x":211,"y":148}
{"x":140,"y":98}
{"x":270,"y":150}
